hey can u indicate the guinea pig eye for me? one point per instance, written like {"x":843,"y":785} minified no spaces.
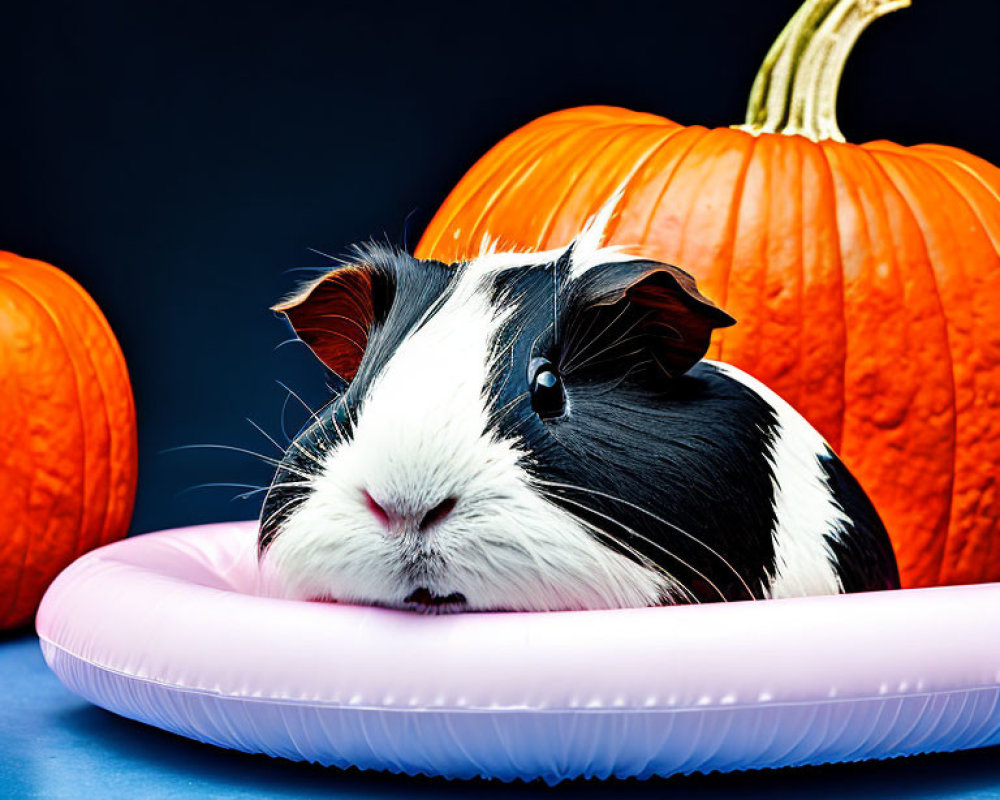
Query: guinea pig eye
{"x":548,"y":398}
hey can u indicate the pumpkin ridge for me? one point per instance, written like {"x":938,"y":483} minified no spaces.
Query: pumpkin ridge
{"x":550,"y":222}
{"x":948,"y":341}
{"x":460,"y":196}
{"x":933,"y":162}
{"x":854,"y":199}
{"x":975,"y":208}
{"x":940,"y":151}
{"x":986,"y":172}
{"x":651,"y":215}
{"x":452,"y":207}
{"x":834,"y":433}
{"x":526,"y":166}
{"x":567,"y":192}
{"x":876,"y":164}
{"x":129,"y":471}
{"x":972,"y":548}
{"x":67,"y":326}
{"x":615,"y":221}
{"x":801,"y":305}
{"x":720,"y":337}
{"x":731,"y":225}
{"x":11,"y":613}
{"x":104,"y":528}
{"x":842,"y":291}
{"x":932,"y":165}
{"x":60,"y":327}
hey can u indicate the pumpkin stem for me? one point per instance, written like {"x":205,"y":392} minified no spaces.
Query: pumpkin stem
{"x":795,"y":91}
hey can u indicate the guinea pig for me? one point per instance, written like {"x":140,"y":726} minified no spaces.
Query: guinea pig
{"x":538,"y":431}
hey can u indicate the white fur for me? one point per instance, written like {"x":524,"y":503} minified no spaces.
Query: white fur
{"x":806,"y":513}
{"x":421,"y":437}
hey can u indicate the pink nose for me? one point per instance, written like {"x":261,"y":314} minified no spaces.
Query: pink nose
{"x":395,"y":520}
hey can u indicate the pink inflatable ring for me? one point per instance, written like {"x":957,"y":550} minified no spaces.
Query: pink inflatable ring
{"x":176,"y":629}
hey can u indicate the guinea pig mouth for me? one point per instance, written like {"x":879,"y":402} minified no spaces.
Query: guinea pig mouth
{"x":423,"y":599}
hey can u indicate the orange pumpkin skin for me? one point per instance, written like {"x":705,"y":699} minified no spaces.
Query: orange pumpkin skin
{"x":68,"y":458}
{"x":865,"y":280}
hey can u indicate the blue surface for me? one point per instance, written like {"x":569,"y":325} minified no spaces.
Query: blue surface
{"x":55,"y":745}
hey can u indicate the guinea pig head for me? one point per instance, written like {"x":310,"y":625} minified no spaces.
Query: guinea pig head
{"x":486,"y":420}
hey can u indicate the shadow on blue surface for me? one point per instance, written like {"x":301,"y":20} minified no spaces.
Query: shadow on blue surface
{"x":62,"y":747}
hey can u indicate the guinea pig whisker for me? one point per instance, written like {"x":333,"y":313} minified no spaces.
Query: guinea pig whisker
{"x":282,"y":485}
{"x":508,"y":348}
{"x":499,"y":412}
{"x":335,"y":259}
{"x":267,"y":459}
{"x":248,"y":495}
{"x":287,"y":342}
{"x":642,"y":538}
{"x":265,"y":434}
{"x":647,"y":512}
{"x":578,"y":364}
{"x":507,"y":351}
{"x":307,"y":453}
{"x":594,"y":360}
{"x":646,"y":561}
{"x":336,"y":426}
{"x":288,"y":484}
{"x":220,"y":485}
{"x":280,"y":510}
{"x":271,"y":528}
{"x":625,"y":377}
{"x":513,"y":429}
{"x":286,"y":467}
{"x":583,"y":335}
{"x":298,"y":397}
{"x":284,"y":413}
{"x":621,"y":340}
{"x":312,"y":414}
{"x":591,"y":340}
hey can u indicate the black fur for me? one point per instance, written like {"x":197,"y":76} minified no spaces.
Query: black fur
{"x":865,"y":559}
{"x":690,"y":451}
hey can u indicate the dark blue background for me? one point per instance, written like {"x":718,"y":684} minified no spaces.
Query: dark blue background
{"x":179,"y":158}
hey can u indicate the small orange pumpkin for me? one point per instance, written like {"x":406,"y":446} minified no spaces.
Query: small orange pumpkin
{"x":865,"y":278}
{"x":68,"y":457}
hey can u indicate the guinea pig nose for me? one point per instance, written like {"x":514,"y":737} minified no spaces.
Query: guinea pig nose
{"x":438,"y":513}
{"x":395,"y":520}
{"x":380,"y":513}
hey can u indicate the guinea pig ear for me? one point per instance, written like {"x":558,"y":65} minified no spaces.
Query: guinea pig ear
{"x":659,"y":302}
{"x":335,"y":314}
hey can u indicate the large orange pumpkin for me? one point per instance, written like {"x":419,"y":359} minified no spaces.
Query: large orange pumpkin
{"x":865,"y":278}
{"x":67,"y":438}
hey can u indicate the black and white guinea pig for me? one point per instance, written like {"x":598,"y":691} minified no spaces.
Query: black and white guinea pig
{"x":537,"y":431}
